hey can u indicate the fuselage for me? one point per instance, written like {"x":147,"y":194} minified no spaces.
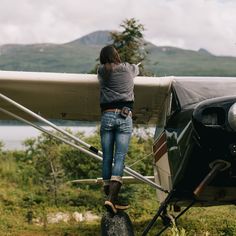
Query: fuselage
{"x":196,"y":138}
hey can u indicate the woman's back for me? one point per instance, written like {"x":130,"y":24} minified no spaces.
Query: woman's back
{"x":118,"y":86}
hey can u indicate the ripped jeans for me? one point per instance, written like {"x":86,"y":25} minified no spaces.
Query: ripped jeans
{"x":115,"y":134}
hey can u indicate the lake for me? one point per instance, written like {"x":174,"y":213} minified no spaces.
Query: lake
{"x":13,"y":136}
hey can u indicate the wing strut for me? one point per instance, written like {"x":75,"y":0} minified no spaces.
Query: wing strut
{"x":90,"y":150}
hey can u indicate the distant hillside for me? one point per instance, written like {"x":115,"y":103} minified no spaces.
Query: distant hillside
{"x":97,"y":38}
{"x":79,"y":56}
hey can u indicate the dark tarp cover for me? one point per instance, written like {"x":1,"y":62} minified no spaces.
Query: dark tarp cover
{"x":192,"y":90}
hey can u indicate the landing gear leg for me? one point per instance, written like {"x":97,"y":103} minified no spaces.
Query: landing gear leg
{"x":160,"y":211}
{"x":166,"y":218}
{"x":174,"y":219}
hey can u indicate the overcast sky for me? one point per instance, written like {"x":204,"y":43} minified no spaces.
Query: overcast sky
{"x":189,"y":24}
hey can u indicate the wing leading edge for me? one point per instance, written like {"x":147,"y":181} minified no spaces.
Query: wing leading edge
{"x":76,"y":96}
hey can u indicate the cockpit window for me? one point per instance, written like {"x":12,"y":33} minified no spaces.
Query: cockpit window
{"x":174,"y":104}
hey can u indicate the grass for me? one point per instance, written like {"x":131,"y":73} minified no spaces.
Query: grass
{"x":209,"y":221}
{"x":19,"y":198}
{"x":195,"y":223}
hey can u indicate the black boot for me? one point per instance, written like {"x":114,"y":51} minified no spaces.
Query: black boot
{"x":119,"y":205}
{"x":106,"y":189}
{"x":113,"y":194}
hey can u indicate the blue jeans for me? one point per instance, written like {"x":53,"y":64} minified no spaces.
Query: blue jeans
{"x":115,"y":137}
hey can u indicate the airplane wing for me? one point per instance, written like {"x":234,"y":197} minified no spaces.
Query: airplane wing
{"x":76,"y":96}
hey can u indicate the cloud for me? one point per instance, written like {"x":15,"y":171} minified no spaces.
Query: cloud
{"x":193,"y":24}
{"x":189,"y":24}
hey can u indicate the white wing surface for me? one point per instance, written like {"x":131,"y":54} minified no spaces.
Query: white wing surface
{"x":76,"y":96}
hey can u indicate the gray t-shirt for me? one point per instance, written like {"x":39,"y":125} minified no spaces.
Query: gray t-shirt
{"x":120,"y":84}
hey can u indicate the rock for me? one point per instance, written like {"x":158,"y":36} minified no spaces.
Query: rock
{"x":116,"y":225}
{"x":78,"y":217}
{"x":54,"y":218}
{"x":88,"y":216}
{"x":57,"y":217}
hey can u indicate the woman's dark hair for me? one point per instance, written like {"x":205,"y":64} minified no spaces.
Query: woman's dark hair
{"x":109,"y":55}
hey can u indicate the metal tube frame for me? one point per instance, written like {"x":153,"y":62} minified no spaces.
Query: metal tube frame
{"x":92,"y":151}
{"x":162,"y":209}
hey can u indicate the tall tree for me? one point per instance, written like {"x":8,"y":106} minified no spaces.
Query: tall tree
{"x":130,"y":42}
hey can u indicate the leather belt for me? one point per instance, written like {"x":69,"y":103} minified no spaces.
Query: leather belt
{"x":112,"y":110}
{"x":116,"y":110}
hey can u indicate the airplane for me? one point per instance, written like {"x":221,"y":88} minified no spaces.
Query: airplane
{"x":194,"y":145}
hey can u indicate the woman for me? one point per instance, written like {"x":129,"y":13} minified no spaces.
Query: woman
{"x":116,"y":102}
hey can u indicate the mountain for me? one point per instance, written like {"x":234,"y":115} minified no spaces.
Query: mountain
{"x":97,"y":38}
{"x":79,"y":56}
{"x":203,"y":51}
